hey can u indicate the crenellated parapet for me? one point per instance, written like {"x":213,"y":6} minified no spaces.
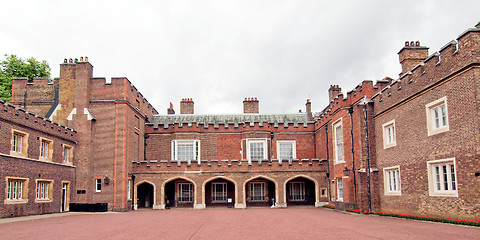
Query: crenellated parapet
{"x":452,"y":59}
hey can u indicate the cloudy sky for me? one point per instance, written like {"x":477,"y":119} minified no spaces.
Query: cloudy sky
{"x":218,"y":52}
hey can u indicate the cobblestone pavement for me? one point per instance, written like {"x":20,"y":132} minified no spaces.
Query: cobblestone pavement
{"x":252,"y":223}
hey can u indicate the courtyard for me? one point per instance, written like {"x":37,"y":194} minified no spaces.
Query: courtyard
{"x":223,"y":223}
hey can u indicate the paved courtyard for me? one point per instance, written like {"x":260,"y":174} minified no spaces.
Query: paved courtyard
{"x":253,"y":223}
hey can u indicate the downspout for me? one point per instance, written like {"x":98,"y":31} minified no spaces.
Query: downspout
{"x":328,"y":164}
{"x":350,"y":111}
{"x":368,"y":154}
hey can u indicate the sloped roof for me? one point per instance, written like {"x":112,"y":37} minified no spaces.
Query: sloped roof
{"x":235,"y":119}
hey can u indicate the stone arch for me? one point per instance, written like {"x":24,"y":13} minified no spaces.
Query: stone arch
{"x":315,"y":182}
{"x":135,"y":197}
{"x":162,"y":200}
{"x":219,"y":177}
{"x":255,"y":177}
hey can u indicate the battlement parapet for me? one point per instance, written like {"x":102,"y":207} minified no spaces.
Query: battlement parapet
{"x":28,"y":119}
{"x":229,"y":164}
{"x":453,"y":57}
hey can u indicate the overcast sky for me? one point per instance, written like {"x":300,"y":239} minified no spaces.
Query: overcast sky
{"x":219,"y":52}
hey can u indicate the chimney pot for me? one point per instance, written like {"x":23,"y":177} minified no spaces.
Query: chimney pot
{"x":86,"y":59}
{"x":417,"y":43}
{"x":81,"y":59}
{"x":250,"y":105}
{"x":407,"y":43}
{"x":70,"y":60}
{"x":65,"y":60}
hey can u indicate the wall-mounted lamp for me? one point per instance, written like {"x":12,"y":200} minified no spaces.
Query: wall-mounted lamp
{"x":106,"y":180}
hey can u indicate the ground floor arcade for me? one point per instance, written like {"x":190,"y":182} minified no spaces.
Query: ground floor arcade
{"x":235,"y":190}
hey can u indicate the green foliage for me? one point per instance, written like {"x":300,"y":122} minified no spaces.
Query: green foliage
{"x":14,"y":66}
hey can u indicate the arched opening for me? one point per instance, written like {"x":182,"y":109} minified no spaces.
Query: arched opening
{"x":300,"y":191}
{"x":220,"y":192}
{"x":260,"y":192}
{"x":145,"y":195}
{"x":179,"y":193}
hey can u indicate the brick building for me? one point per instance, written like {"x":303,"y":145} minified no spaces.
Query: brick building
{"x":408,"y":145}
{"x":36,"y":163}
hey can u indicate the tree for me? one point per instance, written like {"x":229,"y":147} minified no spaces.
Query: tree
{"x":14,"y":66}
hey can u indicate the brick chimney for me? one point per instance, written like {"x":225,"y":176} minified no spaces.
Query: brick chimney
{"x":308,"y":108}
{"x":333,"y":92}
{"x":186,"y":106}
{"x":170,"y":109}
{"x":411,"y":55}
{"x":250,"y":105}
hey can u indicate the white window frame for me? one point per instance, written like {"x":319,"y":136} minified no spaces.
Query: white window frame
{"x":44,"y":190}
{"x":340,"y":190}
{"x":260,"y":140}
{"x":392,"y":181}
{"x":67,"y":154}
{"x":336,"y":144}
{"x":19,"y":143}
{"x":262,"y":196}
{"x":98,"y":185}
{"x":434,"y":180}
{"x":279,"y":149}
{"x":297,"y":196}
{"x":129,"y":190}
{"x":185,"y":196}
{"x":193,"y":142}
{"x":431,"y":124}
{"x":16,"y":190}
{"x":46,"y":149}
{"x":389,"y":134}
{"x":219,"y":197}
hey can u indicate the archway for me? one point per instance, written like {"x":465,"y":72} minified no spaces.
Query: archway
{"x":179,"y":192}
{"x":145,"y":195}
{"x":219,"y":192}
{"x":300,"y":191}
{"x":260,"y":191}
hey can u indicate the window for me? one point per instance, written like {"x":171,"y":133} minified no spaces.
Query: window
{"x":340,"y":189}
{"x":67,"y":153}
{"x":19,"y":143}
{"x":437,"y":116}
{"x":286,"y":150}
{"x":323,"y":192}
{"x":98,"y":185}
{"x":442,"y":178}
{"x":257,"y":191}
{"x":46,"y":149}
{"x":391,"y":180}
{"x":338,"y":141}
{"x":17,"y":190}
{"x":185,"y":192}
{"x":44,"y":190}
{"x":129,"y":190}
{"x":184,"y":150}
{"x":219,"y":192}
{"x":389,"y":139}
{"x":297,"y":191}
{"x":256,"y":149}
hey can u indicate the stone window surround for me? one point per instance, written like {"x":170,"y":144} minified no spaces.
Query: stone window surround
{"x":385,"y":127}
{"x":432,"y":130}
{"x":386,"y":181}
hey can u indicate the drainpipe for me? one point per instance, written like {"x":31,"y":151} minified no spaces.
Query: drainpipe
{"x":350,"y":111}
{"x":133,"y":191}
{"x":328,"y":163}
{"x":368,"y":153}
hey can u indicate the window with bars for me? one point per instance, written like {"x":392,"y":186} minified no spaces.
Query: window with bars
{"x":219,"y":192}
{"x":338,"y":146}
{"x":257,"y":191}
{"x":286,"y":150}
{"x":392,"y":180}
{"x":442,"y":178}
{"x":256,"y":149}
{"x":184,"y":150}
{"x":185,"y":192}
{"x":297,"y":191}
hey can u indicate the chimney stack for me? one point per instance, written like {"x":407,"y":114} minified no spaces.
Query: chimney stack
{"x":186,"y":106}
{"x":250,"y":105}
{"x":411,"y":55}
{"x":308,"y":108}
{"x":333,"y":92}
{"x":170,"y":109}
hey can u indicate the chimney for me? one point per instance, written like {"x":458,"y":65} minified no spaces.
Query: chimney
{"x":411,"y":55}
{"x":333,"y":92}
{"x":186,"y":106}
{"x":170,"y":109}
{"x":308,"y":108}
{"x":250,"y":105}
